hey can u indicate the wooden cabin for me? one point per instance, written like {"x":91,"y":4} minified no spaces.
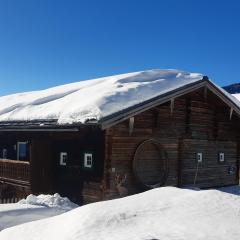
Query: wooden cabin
{"x":186,"y":137}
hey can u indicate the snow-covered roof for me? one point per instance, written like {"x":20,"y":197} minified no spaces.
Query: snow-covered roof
{"x":93,"y":99}
{"x":237,"y":96}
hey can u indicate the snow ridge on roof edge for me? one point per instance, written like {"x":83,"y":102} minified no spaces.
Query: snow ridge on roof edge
{"x":94,"y":100}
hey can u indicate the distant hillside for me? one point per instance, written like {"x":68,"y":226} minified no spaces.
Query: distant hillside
{"x":233,"y":88}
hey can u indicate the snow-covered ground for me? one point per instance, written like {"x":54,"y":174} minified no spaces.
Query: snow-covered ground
{"x":232,"y":189}
{"x":162,"y":214}
{"x":33,"y":208}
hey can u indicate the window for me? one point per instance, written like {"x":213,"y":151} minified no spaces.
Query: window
{"x":88,"y":160}
{"x":63,"y":158}
{"x":221,"y":157}
{"x":231,"y":170}
{"x":199,"y":157}
{"x":4,"y":153}
{"x":22,"y":151}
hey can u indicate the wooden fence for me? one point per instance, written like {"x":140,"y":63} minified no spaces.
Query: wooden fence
{"x":12,"y":169}
{"x":9,"y":200}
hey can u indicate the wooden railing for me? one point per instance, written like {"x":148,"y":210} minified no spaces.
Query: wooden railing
{"x":9,"y":200}
{"x":13,"y":170}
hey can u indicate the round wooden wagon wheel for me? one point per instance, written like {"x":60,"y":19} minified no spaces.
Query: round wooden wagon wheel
{"x":150,"y":164}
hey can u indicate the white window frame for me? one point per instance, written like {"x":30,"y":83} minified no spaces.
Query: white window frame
{"x":63,"y":160}
{"x":221,"y":157}
{"x":199,"y":156}
{"x":86,"y":163}
{"x":18,"y":148}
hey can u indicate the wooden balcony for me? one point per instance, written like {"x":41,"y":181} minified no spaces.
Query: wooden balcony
{"x":15,"y":172}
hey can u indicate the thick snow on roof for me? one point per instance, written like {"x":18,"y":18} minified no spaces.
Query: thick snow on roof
{"x":232,"y":97}
{"x":164,"y":213}
{"x":92,"y":99}
{"x":237,"y":96}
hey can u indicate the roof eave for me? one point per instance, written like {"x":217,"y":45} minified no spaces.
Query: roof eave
{"x":46,"y":126}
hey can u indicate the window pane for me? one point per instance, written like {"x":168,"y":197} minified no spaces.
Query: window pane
{"x":88,"y":160}
{"x":4,"y":153}
{"x":22,"y":151}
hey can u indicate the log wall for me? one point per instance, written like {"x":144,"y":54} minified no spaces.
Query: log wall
{"x":197,"y":123}
{"x":44,"y":174}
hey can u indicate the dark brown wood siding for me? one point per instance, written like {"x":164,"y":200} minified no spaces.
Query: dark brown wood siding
{"x":172,"y":133}
{"x":196,"y":122}
{"x":46,"y":175}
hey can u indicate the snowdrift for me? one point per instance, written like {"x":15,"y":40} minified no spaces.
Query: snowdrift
{"x":165,"y":213}
{"x":33,"y":208}
{"x":49,"y":201}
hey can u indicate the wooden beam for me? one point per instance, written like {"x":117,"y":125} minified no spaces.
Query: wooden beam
{"x":108,"y":162}
{"x":172,"y":105}
{"x":131,"y":125}
{"x":205,"y":93}
{"x":231,"y":113}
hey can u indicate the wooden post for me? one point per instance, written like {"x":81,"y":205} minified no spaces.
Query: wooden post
{"x":231,"y":113}
{"x":106,"y":182}
{"x":131,"y":125}
{"x":172,"y":105}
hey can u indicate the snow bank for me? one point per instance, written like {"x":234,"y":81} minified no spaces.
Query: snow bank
{"x":33,"y":208}
{"x":232,"y":189}
{"x":49,"y":201}
{"x":92,"y":99}
{"x":165,"y":213}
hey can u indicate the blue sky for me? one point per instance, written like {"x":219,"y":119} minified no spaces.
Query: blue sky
{"x":46,"y":43}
